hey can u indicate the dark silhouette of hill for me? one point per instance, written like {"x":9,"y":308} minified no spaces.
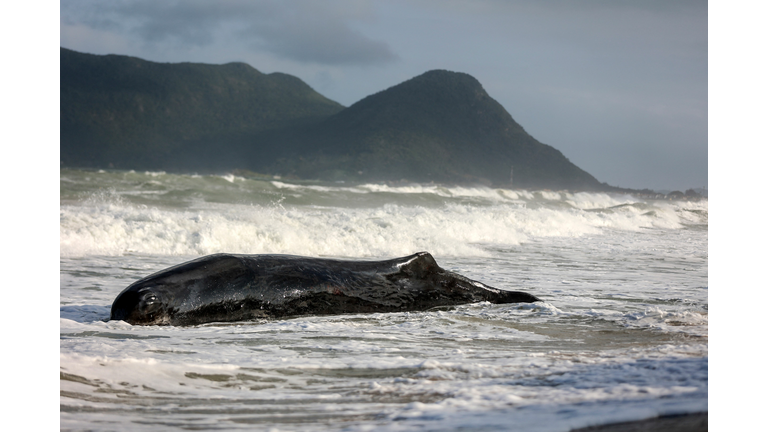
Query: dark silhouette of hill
{"x":124,"y":112}
{"x":131,"y":113}
{"x":440,"y":126}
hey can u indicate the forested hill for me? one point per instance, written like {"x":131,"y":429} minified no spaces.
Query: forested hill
{"x":133,"y":113}
{"x":441,"y":126}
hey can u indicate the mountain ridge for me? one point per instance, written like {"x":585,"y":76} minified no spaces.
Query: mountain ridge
{"x":134,"y":113}
{"x":440,"y":126}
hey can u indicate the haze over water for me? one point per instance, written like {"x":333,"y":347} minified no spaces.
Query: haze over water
{"x":621,"y":334}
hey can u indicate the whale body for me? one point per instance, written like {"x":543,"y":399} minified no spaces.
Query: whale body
{"x":232,"y":287}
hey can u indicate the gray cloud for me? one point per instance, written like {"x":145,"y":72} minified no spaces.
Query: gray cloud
{"x":302,"y":31}
{"x":320,"y":43}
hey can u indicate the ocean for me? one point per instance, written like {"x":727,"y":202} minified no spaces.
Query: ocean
{"x":621,"y":333}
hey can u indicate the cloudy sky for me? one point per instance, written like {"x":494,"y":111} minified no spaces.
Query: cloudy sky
{"x":620,"y":87}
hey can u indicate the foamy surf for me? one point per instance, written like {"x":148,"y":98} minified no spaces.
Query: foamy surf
{"x":121,"y":220}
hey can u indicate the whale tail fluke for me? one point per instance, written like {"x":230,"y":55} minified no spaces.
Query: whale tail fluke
{"x":515,"y":297}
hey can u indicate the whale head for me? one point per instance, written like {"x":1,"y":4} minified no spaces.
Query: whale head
{"x":140,"y":305}
{"x":164,"y":297}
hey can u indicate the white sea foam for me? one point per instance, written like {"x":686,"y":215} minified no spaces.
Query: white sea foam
{"x":584,"y":200}
{"x":104,"y":223}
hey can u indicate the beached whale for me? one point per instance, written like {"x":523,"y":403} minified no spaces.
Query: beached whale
{"x":229,"y":287}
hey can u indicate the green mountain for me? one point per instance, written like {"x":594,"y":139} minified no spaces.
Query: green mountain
{"x":441,"y":126}
{"x":130,"y":113}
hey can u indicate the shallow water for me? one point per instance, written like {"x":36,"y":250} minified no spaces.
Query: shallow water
{"x":621,"y":334}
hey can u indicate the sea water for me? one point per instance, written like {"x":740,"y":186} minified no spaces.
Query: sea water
{"x":621,"y":332}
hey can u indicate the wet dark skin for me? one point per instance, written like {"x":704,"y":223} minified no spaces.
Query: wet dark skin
{"x":229,"y":287}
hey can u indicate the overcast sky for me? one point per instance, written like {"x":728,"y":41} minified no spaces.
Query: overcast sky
{"x":620,"y":87}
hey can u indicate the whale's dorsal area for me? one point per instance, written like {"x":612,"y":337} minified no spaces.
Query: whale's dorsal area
{"x":232,"y":287}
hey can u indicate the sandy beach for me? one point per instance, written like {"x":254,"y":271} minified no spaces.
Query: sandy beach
{"x":696,"y":422}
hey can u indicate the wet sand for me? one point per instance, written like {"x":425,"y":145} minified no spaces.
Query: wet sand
{"x":696,"y":422}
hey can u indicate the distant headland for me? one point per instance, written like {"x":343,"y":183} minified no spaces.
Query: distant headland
{"x":127,"y":113}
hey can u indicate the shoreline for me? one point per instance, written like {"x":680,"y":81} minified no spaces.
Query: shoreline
{"x":691,"y":422}
{"x":645,"y":194}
